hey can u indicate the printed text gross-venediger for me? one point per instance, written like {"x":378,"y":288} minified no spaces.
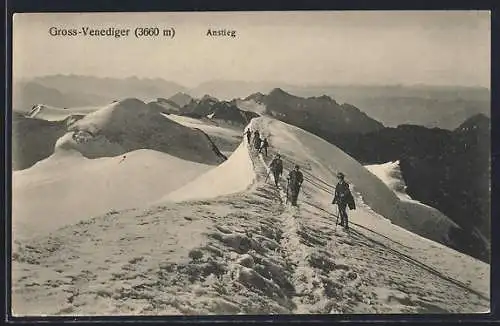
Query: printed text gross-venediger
{"x":138,"y":32}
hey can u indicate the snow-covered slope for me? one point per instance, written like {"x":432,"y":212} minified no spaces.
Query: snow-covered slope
{"x":323,"y":162}
{"x":234,"y":175}
{"x":251,"y":105}
{"x":67,"y":187}
{"x":109,"y":131}
{"x":120,"y":156}
{"x":129,"y":125}
{"x":226,"y":137}
{"x":390,"y":174}
{"x":241,"y":250}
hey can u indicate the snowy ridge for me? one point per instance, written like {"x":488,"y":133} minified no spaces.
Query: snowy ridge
{"x":234,"y":175}
{"x":251,"y":105}
{"x":305,"y":277}
{"x":240,"y":250}
{"x":295,"y":226}
{"x":227,"y":138}
{"x":390,"y":174}
{"x":321,"y":160}
{"x":129,"y":125}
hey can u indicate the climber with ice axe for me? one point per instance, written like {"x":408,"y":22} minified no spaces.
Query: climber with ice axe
{"x":343,"y":198}
{"x":267,"y":175}
{"x":276,"y":167}
{"x":295,"y":179}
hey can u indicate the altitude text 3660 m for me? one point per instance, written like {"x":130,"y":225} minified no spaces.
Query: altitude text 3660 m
{"x":138,"y":32}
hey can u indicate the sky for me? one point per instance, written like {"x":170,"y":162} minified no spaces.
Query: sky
{"x":309,"y":47}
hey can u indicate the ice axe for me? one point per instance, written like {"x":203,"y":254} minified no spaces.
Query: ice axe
{"x":337,"y":223}
{"x":267,"y":176}
{"x":287,"y":187}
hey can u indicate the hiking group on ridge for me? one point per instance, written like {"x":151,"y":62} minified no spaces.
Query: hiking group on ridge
{"x":259,"y":144}
{"x":343,"y":197}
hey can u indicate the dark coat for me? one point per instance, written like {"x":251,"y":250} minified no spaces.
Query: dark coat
{"x":295,"y":179}
{"x":256,"y":143}
{"x":343,"y":195}
{"x":276,"y":166}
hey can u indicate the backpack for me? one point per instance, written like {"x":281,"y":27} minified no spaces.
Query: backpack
{"x":343,"y":193}
{"x":296,"y":178}
{"x":277,"y":165}
{"x":350,"y":201}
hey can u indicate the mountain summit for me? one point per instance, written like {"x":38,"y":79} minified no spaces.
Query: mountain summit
{"x":225,"y":111}
{"x":478,"y":122}
{"x":181,"y":99}
{"x":279,"y":92}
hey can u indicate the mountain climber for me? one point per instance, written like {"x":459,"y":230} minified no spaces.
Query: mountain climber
{"x":276,"y":168}
{"x":256,"y":142}
{"x":263,"y":146}
{"x":295,"y":179}
{"x":256,"y":135}
{"x":249,"y":134}
{"x":343,"y":198}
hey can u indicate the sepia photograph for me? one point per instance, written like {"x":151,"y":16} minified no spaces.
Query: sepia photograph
{"x":251,"y":163}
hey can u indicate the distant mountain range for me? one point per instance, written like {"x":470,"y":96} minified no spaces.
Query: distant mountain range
{"x":71,"y":90}
{"x":316,"y":113}
{"x":27,"y":94}
{"x":321,"y":113}
{"x":429,"y":112}
{"x":225,"y":111}
{"x":231,"y":89}
{"x":430,"y":106}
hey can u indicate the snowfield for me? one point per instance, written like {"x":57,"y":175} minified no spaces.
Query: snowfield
{"x":227,"y":138}
{"x":251,"y":105}
{"x":234,"y":175}
{"x":323,"y":161}
{"x":226,"y":243}
{"x":131,"y":124}
{"x":390,"y":174}
{"x":67,"y":187}
{"x":120,"y":156}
